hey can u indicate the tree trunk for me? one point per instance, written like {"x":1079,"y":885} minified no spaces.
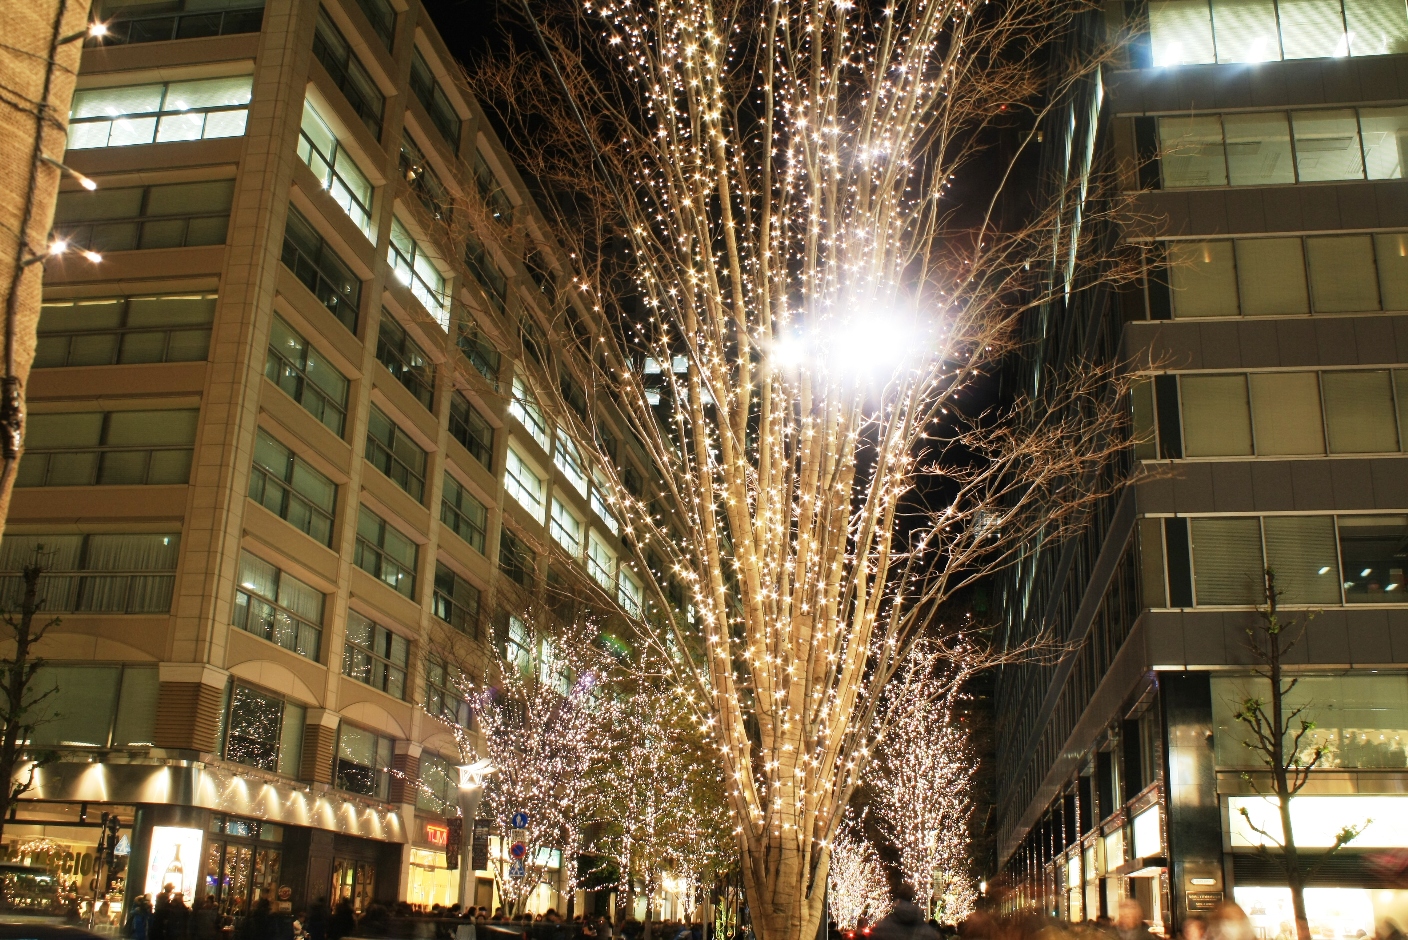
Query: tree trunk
{"x":785,"y":900}
{"x":1280,"y":776}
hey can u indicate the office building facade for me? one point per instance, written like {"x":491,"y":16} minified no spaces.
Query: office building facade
{"x":286,"y":455}
{"x":1263,"y":144}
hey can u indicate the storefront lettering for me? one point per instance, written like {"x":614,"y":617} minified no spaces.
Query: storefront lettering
{"x":437,"y":834}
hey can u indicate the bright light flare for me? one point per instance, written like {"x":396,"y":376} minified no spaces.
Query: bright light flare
{"x":859,"y":346}
{"x":98,"y":30}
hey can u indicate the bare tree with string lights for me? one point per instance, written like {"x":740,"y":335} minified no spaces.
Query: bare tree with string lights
{"x":775,"y":289}
{"x":858,"y":887}
{"x":922,"y":787}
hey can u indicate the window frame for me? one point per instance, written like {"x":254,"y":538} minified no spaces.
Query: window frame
{"x":241,"y":613}
{"x":380,"y":556}
{"x":386,"y":456}
{"x":379,"y":658}
{"x":157,"y":117}
{"x":291,"y":495}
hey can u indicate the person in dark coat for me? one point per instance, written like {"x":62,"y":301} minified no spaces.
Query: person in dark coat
{"x":905,"y":920}
{"x":161,"y":913}
{"x":316,"y":923}
{"x":178,"y":919}
{"x":206,"y":920}
{"x":141,"y":917}
{"x":343,"y":922}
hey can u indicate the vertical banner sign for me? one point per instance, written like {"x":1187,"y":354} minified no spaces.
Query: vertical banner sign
{"x":454,"y":842}
{"x":479,"y":849}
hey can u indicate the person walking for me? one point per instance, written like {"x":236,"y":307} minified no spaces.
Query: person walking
{"x":905,"y":920}
{"x":178,"y":919}
{"x":1130,"y":923}
{"x":343,"y":922}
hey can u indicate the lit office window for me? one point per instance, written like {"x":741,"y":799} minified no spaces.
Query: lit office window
{"x":413,"y":267}
{"x":146,"y":114}
{"x":1186,"y":32}
{"x":523,"y":484}
{"x":318,"y":147}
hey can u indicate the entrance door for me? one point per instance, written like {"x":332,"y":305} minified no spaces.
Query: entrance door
{"x":353,"y":879}
{"x":239,"y":875}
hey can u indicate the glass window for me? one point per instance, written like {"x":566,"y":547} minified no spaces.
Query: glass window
{"x":383,"y":552}
{"x":1180,"y":32}
{"x":524,"y":485}
{"x":174,"y":215}
{"x":486,"y":273}
{"x":1259,"y":147}
{"x":1400,"y":394}
{"x":407,"y":361}
{"x":1301,"y":551}
{"x":318,"y":267}
{"x":110,"y":573}
{"x":1342,"y":275}
{"x":1391,"y":255}
{"x":382,"y":17}
{"x":112,"y":448}
{"x":1359,"y":412}
{"x":336,"y":170}
{"x":524,"y":407}
{"x":393,"y":452}
{"x":1271,"y":276}
{"x":480,"y":352}
{"x":630,"y":594}
{"x":1286,"y":413}
{"x":1312,"y":29}
{"x":284,"y":483}
{"x":422,"y":179}
{"x":465,"y":515}
{"x":1202,"y":279}
{"x":144,"y":114}
{"x":1216,"y":415}
{"x":1191,"y":152}
{"x":601,"y":562}
{"x":1227,"y":561}
{"x":1376,"y":27}
{"x":375,"y":656}
{"x":1327,"y":145}
{"x":190,"y":20}
{"x":1375,"y":553}
{"x":445,"y":688}
{"x":569,"y":460}
{"x":495,"y":197}
{"x":1360,"y":720}
{"x":332,"y":50}
{"x":1384,"y":131}
{"x":413,"y":267}
{"x":104,"y":331}
{"x":516,"y":558}
{"x":439,"y":788}
{"x":437,"y":104}
{"x":518,"y":646}
{"x":601,"y":502}
{"x":278,"y":607}
{"x":456,"y":601}
{"x":566,"y":528}
{"x":472,"y":429}
{"x":264,"y":730}
{"x":1245,"y":30}
{"x":77,"y":706}
{"x":296,"y":366}
{"x":135,"y":725}
{"x":363,"y":762}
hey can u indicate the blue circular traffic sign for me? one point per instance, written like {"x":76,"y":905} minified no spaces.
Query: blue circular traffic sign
{"x":519,"y":820}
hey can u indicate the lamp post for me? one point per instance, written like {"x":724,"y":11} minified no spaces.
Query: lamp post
{"x":471,"y":793}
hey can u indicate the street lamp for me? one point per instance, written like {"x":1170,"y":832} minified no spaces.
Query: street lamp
{"x":471,"y":793}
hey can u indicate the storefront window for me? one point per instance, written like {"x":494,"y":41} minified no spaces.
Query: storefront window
{"x":242,"y":862}
{"x":1360,"y":720}
{"x":50,"y":840}
{"x":1332,"y":912}
{"x":1318,"y":820}
{"x":430,"y":881}
{"x":353,"y":880}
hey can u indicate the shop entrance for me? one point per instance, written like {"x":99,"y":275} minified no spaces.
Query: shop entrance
{"x":353,"y":879}
{"x":242,"y":862}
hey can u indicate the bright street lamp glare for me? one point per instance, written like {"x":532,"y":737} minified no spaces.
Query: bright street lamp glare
{"x":58,"y":246}
{"x":93,"y":256}
{"x":863,"y":345}
{"x":98,"y":30}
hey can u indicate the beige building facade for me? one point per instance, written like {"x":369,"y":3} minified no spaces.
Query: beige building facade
{"x":284,"y":454}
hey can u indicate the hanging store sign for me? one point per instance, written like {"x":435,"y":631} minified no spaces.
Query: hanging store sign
{"x":454,"y":842}
{"x":437,"y":834}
